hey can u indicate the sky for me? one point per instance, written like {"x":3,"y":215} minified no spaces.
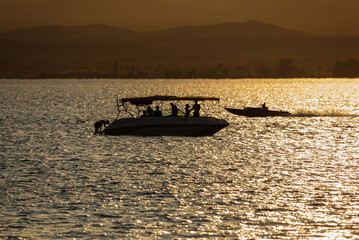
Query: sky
{"x":314,"y":16}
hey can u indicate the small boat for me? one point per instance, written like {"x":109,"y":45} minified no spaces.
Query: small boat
{"x":137,"y":122}
{"x":258,"y":112}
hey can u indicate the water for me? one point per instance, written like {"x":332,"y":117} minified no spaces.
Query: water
{"x":261,"y":178}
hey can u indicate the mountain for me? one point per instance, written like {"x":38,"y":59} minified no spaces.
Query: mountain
{"x":250,"y":28}
{"x":47,"y":50}
{"x":70,"y":33}
{"x":110,"y":33}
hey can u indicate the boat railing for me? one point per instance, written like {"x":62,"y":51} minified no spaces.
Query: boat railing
{"x":123,"y":108}
{"x":135,"y":107}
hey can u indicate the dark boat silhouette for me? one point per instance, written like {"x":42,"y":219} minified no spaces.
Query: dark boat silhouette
{"x":134,"y":122}
{"x":257,"y":112}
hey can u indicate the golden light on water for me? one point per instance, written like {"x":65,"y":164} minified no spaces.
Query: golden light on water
{"x":278,"y":177}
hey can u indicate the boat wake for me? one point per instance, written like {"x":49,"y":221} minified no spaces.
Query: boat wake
{"x":308,"y":113}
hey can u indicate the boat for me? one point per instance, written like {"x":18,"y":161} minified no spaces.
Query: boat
{"x":139,"y":123}
{"x":258,"y":112}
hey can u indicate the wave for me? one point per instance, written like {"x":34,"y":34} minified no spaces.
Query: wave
{"x":324,"y":113}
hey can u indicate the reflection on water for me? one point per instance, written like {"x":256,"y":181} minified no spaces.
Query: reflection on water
{"x":279,"y":178}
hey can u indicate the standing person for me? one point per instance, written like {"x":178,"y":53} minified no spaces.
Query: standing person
{"x":187,"y":111}
{"x":174,"y":110}
{"x":196,"y":108}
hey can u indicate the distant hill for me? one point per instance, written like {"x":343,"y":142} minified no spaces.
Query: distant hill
{"x":108,"y":33}
{"x":250,"y":28}
{"x":92,"y":50}
{"x":70,"y":33}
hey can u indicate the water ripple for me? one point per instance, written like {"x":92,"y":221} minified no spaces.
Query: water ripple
{"x":283,"y":178}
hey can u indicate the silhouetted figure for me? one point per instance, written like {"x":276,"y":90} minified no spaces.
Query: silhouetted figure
{"x":196,"y":108}
{"x":187,"y":111}
{"x":264,"y":107}
{"x":149,"y":111}
{"x":98,"y":125}
{"x":174,"y":110}
{"x":157,"y":112}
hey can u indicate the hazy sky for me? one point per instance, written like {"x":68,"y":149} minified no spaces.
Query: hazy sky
{"x":321,"y":16}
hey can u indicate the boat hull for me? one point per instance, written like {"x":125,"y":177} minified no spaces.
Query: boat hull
{"x":257,"y":112}
{"x":166,"y":126}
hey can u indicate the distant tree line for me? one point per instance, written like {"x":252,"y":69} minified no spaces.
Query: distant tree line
{"x":283,"y":68}
{"x":348,"y":68}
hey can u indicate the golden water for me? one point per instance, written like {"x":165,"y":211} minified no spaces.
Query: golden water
{"x":261,"y":178}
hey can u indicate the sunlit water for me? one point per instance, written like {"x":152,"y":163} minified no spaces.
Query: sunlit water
{"x":261,"y":178}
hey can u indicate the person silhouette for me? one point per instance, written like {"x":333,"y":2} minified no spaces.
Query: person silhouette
{"x":196,"y":108}
{"x":149,"y":111}
{"x":98,"y":125}
{"x":187,"y":111}
{"x":264,"y":107}
{"x":157,"y":112}
{"x":174,"y":110}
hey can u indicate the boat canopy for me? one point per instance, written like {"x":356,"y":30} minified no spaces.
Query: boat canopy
{"x":150,"y":99}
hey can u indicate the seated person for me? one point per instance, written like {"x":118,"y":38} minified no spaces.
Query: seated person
{"x":264,"y":107}
{"x":157,"y":112}
{"x":149,"y":111}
